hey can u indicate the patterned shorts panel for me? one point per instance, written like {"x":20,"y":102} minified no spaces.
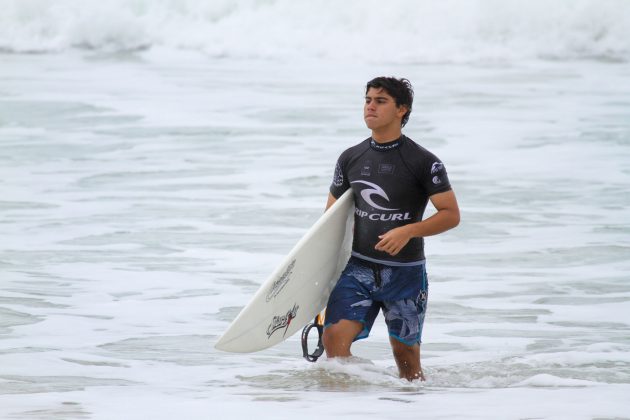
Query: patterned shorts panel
{"x":365,"y":288}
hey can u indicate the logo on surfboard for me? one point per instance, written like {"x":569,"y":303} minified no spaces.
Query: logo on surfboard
{"x":282,"y":321}
{"x":278,"y":285}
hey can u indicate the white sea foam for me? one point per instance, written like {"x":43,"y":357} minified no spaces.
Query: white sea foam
{"x":546,"y":380}
{"x":404,"y":31}
{"x":145,"y":198}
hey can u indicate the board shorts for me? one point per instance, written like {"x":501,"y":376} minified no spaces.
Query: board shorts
{"x":365,"y":288}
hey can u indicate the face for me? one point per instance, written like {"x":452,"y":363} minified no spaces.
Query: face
{"x":380,"y":110}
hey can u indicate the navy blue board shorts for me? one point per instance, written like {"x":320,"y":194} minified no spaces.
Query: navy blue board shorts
{"x":365,"y":288}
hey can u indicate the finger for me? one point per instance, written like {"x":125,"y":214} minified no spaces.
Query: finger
{"x":382,"y":243}
{"x":397,"y":248}
{"x":386,"y":242}
{"x":385,"y":245}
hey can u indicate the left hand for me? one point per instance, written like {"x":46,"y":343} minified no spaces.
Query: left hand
{"x":394,"y":240}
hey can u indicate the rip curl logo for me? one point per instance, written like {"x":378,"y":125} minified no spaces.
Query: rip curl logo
{"x":282,"y":321}
{"x":279,"y":284}
{"x":374,"y":189}
{"x":377,"y":146}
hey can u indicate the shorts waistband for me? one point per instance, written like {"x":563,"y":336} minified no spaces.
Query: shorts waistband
{"x":388,"y":263}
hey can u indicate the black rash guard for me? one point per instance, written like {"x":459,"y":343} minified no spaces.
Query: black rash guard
{"x":391,"y":184}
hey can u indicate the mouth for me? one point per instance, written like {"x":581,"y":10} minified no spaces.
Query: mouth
{"x":370,"y":116}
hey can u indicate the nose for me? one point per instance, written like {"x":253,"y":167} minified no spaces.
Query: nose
{"x":370,"y":106}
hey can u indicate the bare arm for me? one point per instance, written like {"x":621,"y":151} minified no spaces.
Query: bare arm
{"x":447,"y":217}
{"x":331,"y":201}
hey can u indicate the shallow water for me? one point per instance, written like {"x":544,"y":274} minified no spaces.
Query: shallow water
{"x":145,"y":198}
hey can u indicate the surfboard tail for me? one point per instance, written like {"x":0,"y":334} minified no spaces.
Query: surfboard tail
{"x":298,"y":288}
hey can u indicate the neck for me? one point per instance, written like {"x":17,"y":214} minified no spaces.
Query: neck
{"x":386,"y":146}
{"x":386,"y":135}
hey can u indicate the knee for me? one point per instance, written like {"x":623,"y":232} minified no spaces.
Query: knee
{"x":334,"y":340}
{"x":338,"y":338}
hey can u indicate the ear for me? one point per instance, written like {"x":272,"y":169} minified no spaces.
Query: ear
{"x":402,"y":110}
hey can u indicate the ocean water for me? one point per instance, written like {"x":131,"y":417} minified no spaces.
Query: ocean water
{"x":158,"y":159}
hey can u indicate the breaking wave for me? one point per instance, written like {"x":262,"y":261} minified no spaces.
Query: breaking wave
{"x":398,"y":31}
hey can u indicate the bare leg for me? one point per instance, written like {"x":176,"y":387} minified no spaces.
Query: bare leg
{"x":407,"y":359}
{"x":338,"y":337}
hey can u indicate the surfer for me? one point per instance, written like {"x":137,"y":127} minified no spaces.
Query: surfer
{"x":392,"y":179}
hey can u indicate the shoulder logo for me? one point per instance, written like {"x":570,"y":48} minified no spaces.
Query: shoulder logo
{"x":436,"y":167}
{"x":374,"y":189}
{"x":338,"y":177}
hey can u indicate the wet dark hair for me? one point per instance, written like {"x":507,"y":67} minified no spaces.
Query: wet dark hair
{"x":399,"y":89}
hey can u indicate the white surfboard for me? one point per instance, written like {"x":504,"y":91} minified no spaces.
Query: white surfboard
{"x":299,"y":287}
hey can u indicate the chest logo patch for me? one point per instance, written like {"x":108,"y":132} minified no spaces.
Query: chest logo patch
{"x":366,"y":170}
{"x":374,"y":189}
{"x":386,"y":168}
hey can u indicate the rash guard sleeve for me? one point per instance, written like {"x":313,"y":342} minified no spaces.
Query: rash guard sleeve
{"x":340,"y":182}
{"x":429,"y":171}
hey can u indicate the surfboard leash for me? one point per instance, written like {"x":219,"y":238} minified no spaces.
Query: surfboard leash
{"x":317,"y":323}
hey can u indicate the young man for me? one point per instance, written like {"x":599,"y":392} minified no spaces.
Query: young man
{"x":392,"y":178}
